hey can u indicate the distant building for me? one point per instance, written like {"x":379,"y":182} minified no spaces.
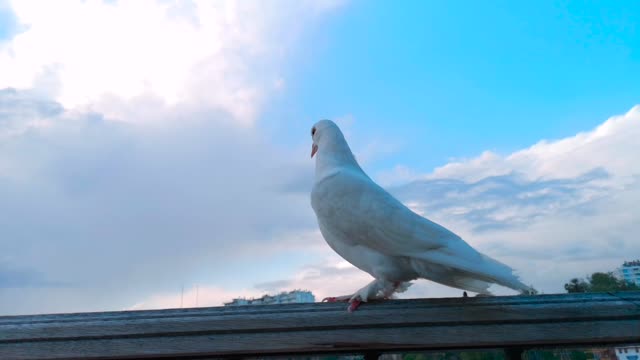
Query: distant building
{"x":628,"y":352}
{"x":292,"y":297}
{"x":630,"y":272}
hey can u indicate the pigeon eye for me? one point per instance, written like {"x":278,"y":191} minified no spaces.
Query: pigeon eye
{"x":313,"y":131}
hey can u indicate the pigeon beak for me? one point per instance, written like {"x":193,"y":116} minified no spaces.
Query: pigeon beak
{"x":314,"y":149}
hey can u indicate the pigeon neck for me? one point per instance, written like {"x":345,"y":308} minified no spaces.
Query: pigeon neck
{"x":332,"y":157}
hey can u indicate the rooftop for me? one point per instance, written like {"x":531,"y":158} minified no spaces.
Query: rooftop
{"x":294,"y":296}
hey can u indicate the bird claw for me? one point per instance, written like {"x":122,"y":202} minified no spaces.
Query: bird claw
{"x":353,"y":305}
{"x":354,"y":302}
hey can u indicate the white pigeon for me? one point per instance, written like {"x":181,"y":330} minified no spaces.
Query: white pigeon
{"x":376,"y":233}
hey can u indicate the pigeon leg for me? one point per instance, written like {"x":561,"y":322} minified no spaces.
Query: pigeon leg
{"x":366,"y":293}
{"x":371,"y":291}
{"x":353,"y":305}
{"x":389,"y":288}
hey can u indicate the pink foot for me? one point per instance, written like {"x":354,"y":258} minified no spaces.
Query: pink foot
{"x":353,"y":305}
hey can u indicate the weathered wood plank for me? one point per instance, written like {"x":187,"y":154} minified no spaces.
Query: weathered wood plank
{"x":400,"y":316}
{"x":423,"y":324}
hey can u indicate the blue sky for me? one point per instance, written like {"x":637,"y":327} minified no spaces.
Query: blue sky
{"x":8,"y":25}
{"x":451,"y":78}
{"x":173,"y":150}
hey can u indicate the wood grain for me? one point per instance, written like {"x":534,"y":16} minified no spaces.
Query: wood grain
{"x":419,"y":324}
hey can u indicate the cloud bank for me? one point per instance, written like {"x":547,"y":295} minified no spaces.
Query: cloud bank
{"x":222,"y":54}
{"x":110,"y":207}
{"x":131,"y":160}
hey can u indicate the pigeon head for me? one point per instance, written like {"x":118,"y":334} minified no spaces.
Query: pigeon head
{"x":325,"y":132}
{"x":326,"y":135}
{"x":330,"y":146}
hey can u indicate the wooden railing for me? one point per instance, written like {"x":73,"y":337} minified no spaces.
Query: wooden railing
{"x":510,"y":322}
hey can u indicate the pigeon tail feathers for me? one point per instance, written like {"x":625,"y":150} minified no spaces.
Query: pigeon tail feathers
{"x":475,"y":275}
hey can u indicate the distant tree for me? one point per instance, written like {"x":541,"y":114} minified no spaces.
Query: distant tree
{"x":599,"y":282}
{"x":602,"y":282}
{"x":576,"y":285}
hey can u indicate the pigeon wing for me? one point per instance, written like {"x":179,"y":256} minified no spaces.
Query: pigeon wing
{"x":365,"y":214}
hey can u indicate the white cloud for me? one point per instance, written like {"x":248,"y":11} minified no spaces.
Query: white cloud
{"x":102,"y":214}
{"x":611,"y":146}
{"x":331,"y":276}
{"x":130,"y":163}
{"x":195,"y":296}
{"x":225,"y":54}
